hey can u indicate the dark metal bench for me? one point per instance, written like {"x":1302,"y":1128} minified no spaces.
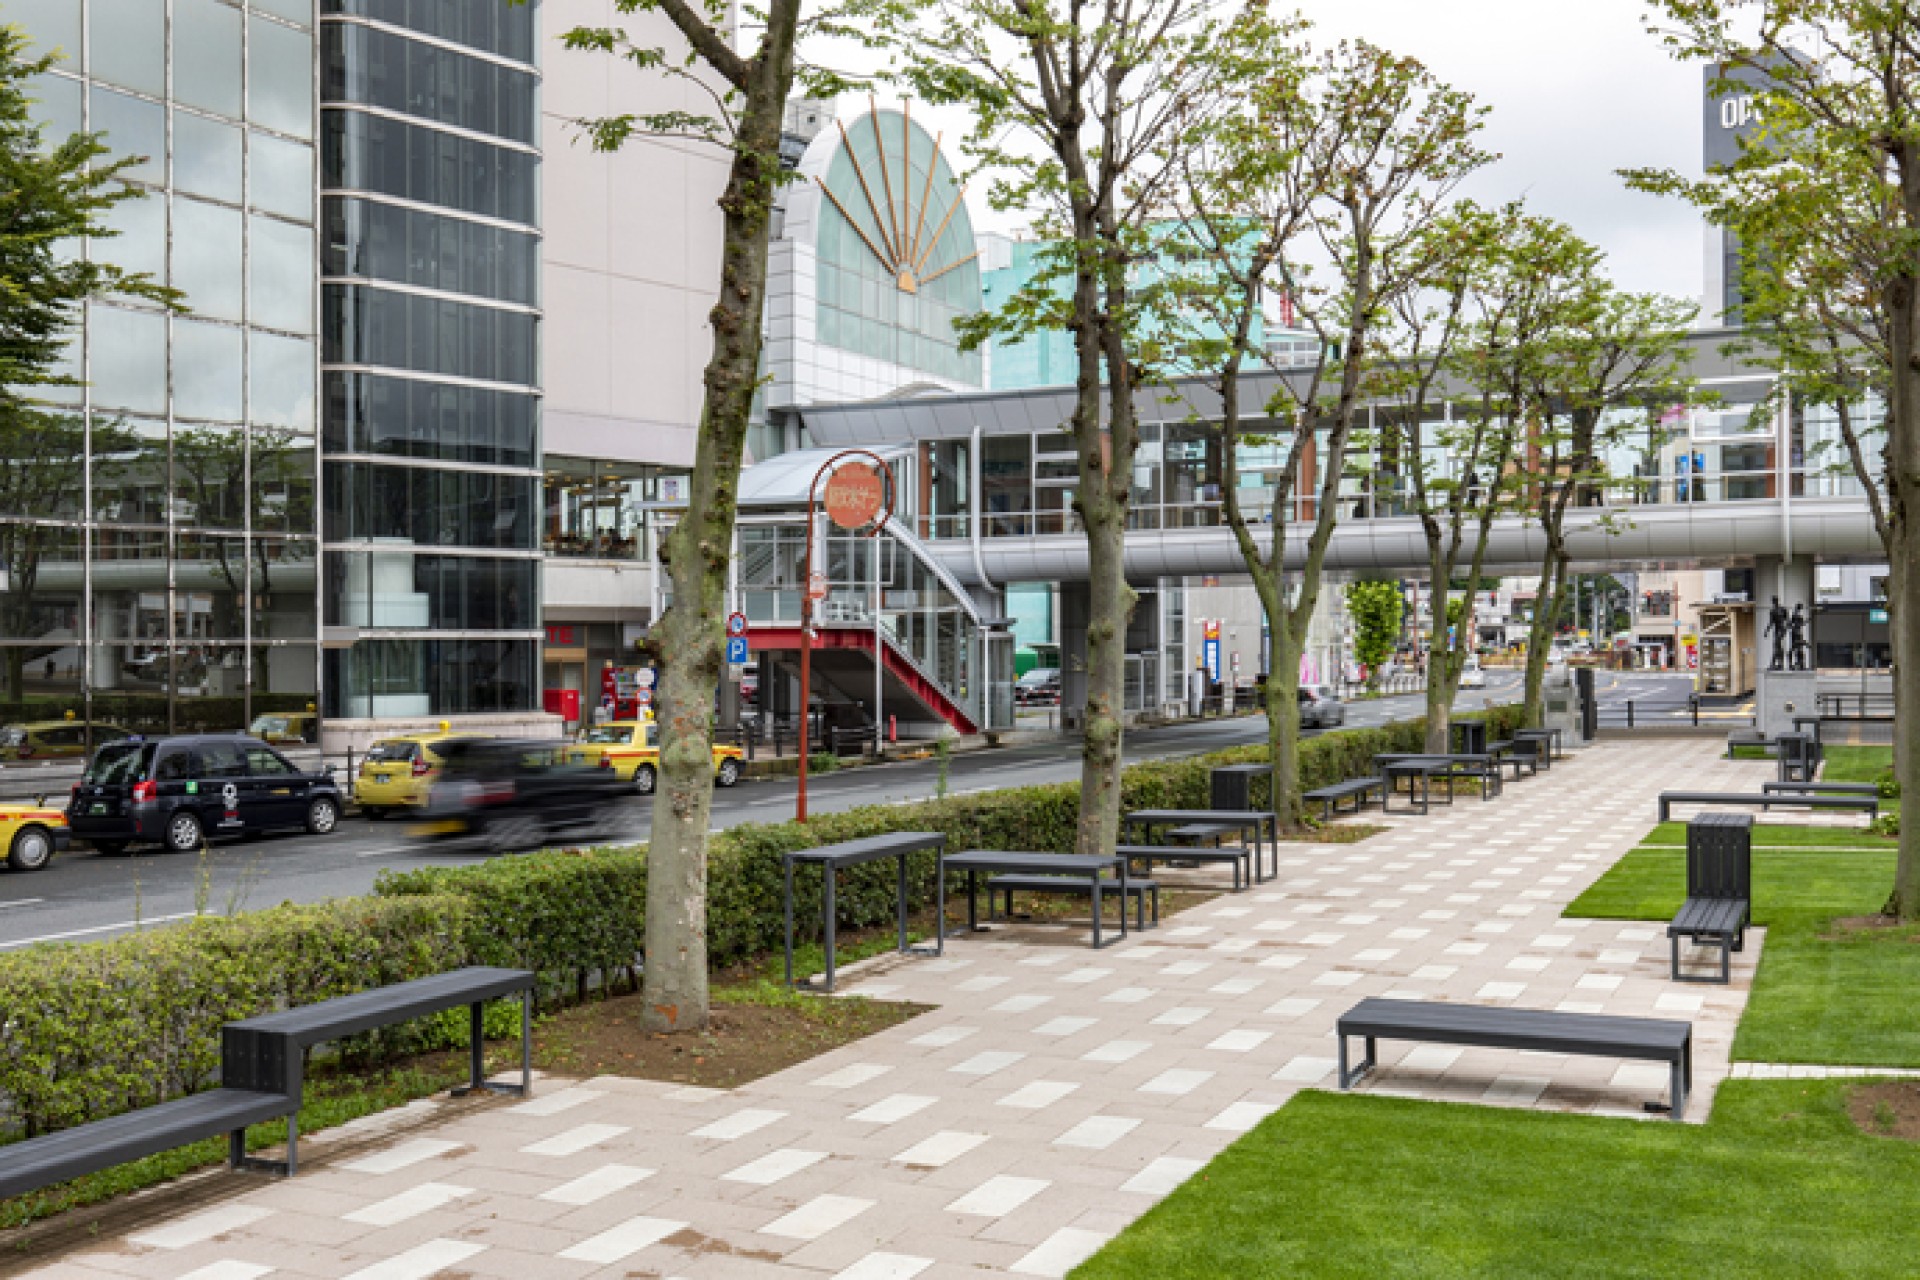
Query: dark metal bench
{"x":1262,"y":824}
{"x":262,"y":1071}
{"x":1870,"y":805}
{"x":268,"y":1054}
{"x":1544,"y":743}
{"x":1239,"y":857}
{"x":1101,"y":873}
{"x":1139,"y":890}
{"x":1540,"y":1030}
{"x":1719,"y":890}
{"x":1358,"y":789}
{"x":1835,"y":788}
{"x":834,"y":858}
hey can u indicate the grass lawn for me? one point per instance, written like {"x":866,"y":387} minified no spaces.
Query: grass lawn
{"x":1779,"y":1182}
{"x":1783,"y":835}
{"x":1825,"y":992}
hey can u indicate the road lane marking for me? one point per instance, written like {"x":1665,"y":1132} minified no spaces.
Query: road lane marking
{"x":389,"y":853}
{"x":22,"y":902}
{"x":103,"y":928}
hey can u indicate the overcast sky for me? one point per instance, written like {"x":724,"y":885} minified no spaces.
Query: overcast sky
{"x":1578,"y":90}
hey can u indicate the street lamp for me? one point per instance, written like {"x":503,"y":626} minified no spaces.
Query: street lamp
{"x":857,"y":496}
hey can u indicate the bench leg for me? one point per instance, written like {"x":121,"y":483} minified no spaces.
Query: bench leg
{"x":1156,"y":906}
{"x":1674,"y":941}
{"x":1678,"y":1092}
{"x":1726,"y":960}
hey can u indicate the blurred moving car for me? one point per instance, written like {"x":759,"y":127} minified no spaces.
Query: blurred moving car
{"x":54,"y":739}
{"x":1472,"y":676}
{"x":514,"y":795}
{"x":1319,"y":708}
{"x":628,"y":748}
{"x":177,"y":792}
{"x":31,"y":834}
{"x":1040,"y":687}
{"x":399,"y":772}
{"x":286,"y":728}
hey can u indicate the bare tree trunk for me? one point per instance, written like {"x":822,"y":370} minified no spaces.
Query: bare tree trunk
{"x":1441,"y":674}
{"x":1110,"y":604}
{"x":1283,"y":720}
{"x":1902,"y":464}
{"x":1546,"y":608}
{"x":696,"y":553}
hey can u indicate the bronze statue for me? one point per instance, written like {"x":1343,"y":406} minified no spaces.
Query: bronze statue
{"x":1777,"y":623}
{"x":1797,"y":628}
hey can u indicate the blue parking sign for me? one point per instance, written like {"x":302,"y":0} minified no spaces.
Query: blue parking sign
{"x":736,"y":651}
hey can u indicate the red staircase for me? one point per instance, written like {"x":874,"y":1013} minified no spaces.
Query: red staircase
{"x":898,"y":665}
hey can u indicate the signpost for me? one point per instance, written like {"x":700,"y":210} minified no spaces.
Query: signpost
{"x":736,"y":624}
{"x":737,"y":651}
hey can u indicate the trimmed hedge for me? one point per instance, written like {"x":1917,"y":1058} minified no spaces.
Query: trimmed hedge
{"x":95,"y":1029}
{"x":578,"y":916}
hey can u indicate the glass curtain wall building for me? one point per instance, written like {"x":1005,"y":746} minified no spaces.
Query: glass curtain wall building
{"x":430,"y":170}
{"x":157,"y":523}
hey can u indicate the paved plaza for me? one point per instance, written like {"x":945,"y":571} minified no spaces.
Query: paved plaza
{"x":1051,"y":1098}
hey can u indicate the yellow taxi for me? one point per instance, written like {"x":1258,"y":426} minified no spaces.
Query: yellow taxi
{"x":54,"y":739}
{"x":31,"y":834}
{"x":399,"y":771}
{"x":286,"y":728}
{"x":628,"y":748}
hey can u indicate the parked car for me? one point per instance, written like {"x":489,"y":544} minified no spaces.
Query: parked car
{"x":1040,"y":687}
{"x":628,"y":749}
{"x":513,"y":795}
{"x":31,"y":834}
{"x":54,"y":739}
{"x":1472,"y":676}
{"x":178,"y":792}
{"x":399,"y":772}
{"x":1319,"y":708}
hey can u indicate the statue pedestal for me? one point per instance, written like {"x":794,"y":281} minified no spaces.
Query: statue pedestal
{"x":1561,"y":708}
{"x":1781,"y":696}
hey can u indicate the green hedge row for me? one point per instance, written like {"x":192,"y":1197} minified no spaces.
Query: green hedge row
{"x":93,"y":1030}
{"x":578,"y":916}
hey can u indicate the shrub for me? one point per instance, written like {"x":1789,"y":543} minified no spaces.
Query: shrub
{"x":96,"y":1029}
{"x":1889,"y":786}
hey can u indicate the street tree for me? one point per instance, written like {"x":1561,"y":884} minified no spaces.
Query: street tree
{"x":1827,"y":207}
{"x":1376,"y":607}
{"x":1072,"y":105}
{"x":1317,"y":179}
{"x":743,"y":97}
{"x":53,"y":194}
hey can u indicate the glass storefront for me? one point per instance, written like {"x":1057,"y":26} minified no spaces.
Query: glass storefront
{"x":158,"y":540}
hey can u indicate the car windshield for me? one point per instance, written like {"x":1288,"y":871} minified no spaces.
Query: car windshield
{"x":608,"y":733}
{"x":12,"y":736}
{"x":119,"y":762}
{"x":391,"y":751}
{"x":264,"y":726}
{"x":1039,"y":675}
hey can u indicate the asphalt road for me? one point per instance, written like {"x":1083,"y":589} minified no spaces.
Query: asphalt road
{"x":85,"y":896}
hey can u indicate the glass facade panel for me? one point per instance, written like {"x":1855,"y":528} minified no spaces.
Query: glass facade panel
{"x":280,"y":381}
{"x":281,"y":491}
{"x":281,"y":176}
{"x":131,"y":474}
{"x":209,"y":477}
{"x":429,"y":506}
{"x":128,"y":42}
{"x":206,"y":56}
{"x":507,"y":30}
{"x":51,"y":25}
{"x":140,"y":242}
{"x":413,"y":162}
{"x":135,"y":377}
{"x":206,"y":157}
{"x":280,"y":275}
{"x":300,"y":11}
{"x":134,"y":127}
{"x":207,"y":368}
{"x":408,"y":246}
{"x":428,"y":335}
{"x":207,"y":257}
{"x":56,"y":106}
{"x":391,"y":677}
{"x":42,"y":464}
{"x":393,"y":587}
{"x":382,"y":69}
{"x":368,"y":413}
{"x":597,"y":509}
{"x":279,"y":78}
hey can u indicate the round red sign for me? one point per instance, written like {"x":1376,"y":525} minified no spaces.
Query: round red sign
{"x":855,"y":495}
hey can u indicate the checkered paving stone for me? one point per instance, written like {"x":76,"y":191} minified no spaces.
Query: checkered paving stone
{"x":1048,"y":1100}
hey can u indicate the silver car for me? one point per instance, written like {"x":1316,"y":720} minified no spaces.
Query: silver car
{"x":1319,"y":708}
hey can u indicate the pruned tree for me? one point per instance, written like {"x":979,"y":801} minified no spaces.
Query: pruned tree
{"x":1073,"y":103}
{"x":1827,"y":206}
{"x":745,"y":96}
{"x":1319,"y":178}
{"x":1376,"y":607}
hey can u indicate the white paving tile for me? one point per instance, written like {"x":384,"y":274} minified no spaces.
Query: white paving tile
{"x":619,"y":1243}
{"x":1022,"y":1003}
{"x":229,"y":1270}
{"x":941,"y":1148}
{"x":1064,"y":1026}
{"x":943,"y":1037}
{"x":1039,"y":1094}
{"x":1181,"y":1016}
{"x":1242,"y":1116}
{"x":1292,"y":1007}
{"x":598,"y":1185}
{"x":999,"y":1196}
{"x":985,"y":982}
{"x":1501,"y":991}
{"x":421,"y":1261}
{"x":894,"y":1109}
{"x":1245,"y":1040}
{"x":553,"y":1104}
{"x":200,"y":1227}
{"x":774,"y":1166}
{"x":988,"y":1063}
{"x":1060,"y":1252}
{"x":1085,"y":975}
{"x":1162,"y":1175}
{"x":1430,"y":1057}
{"x":885,"y":1266}
{"x":1516,"y":1091}
{"x":739,"y":1124}
{"x":1127,"y":995}
{"x":1674,"y":1002}
{"x":852,"y":1076}
{"x":1306,"y":1069}
{"x":1179,"y":1081}
{"x":1117,"y":1051}
{"x":1097,"y":1133}
{"x":1187,"y":968}
{"x":394,"y":1159}
{"x":410,"y":1203}
{"x":817,"y":1217}
{"x":573,"y":1141}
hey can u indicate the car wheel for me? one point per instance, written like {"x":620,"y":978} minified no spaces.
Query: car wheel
{"x":32,"y":849}
{"x":110,"y":848}
{"x":729,"y":772}
{"x":183,"y":833}
{"x":512,"y":834}
{"x":323,"y":815}
{"x":643,"y":779}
